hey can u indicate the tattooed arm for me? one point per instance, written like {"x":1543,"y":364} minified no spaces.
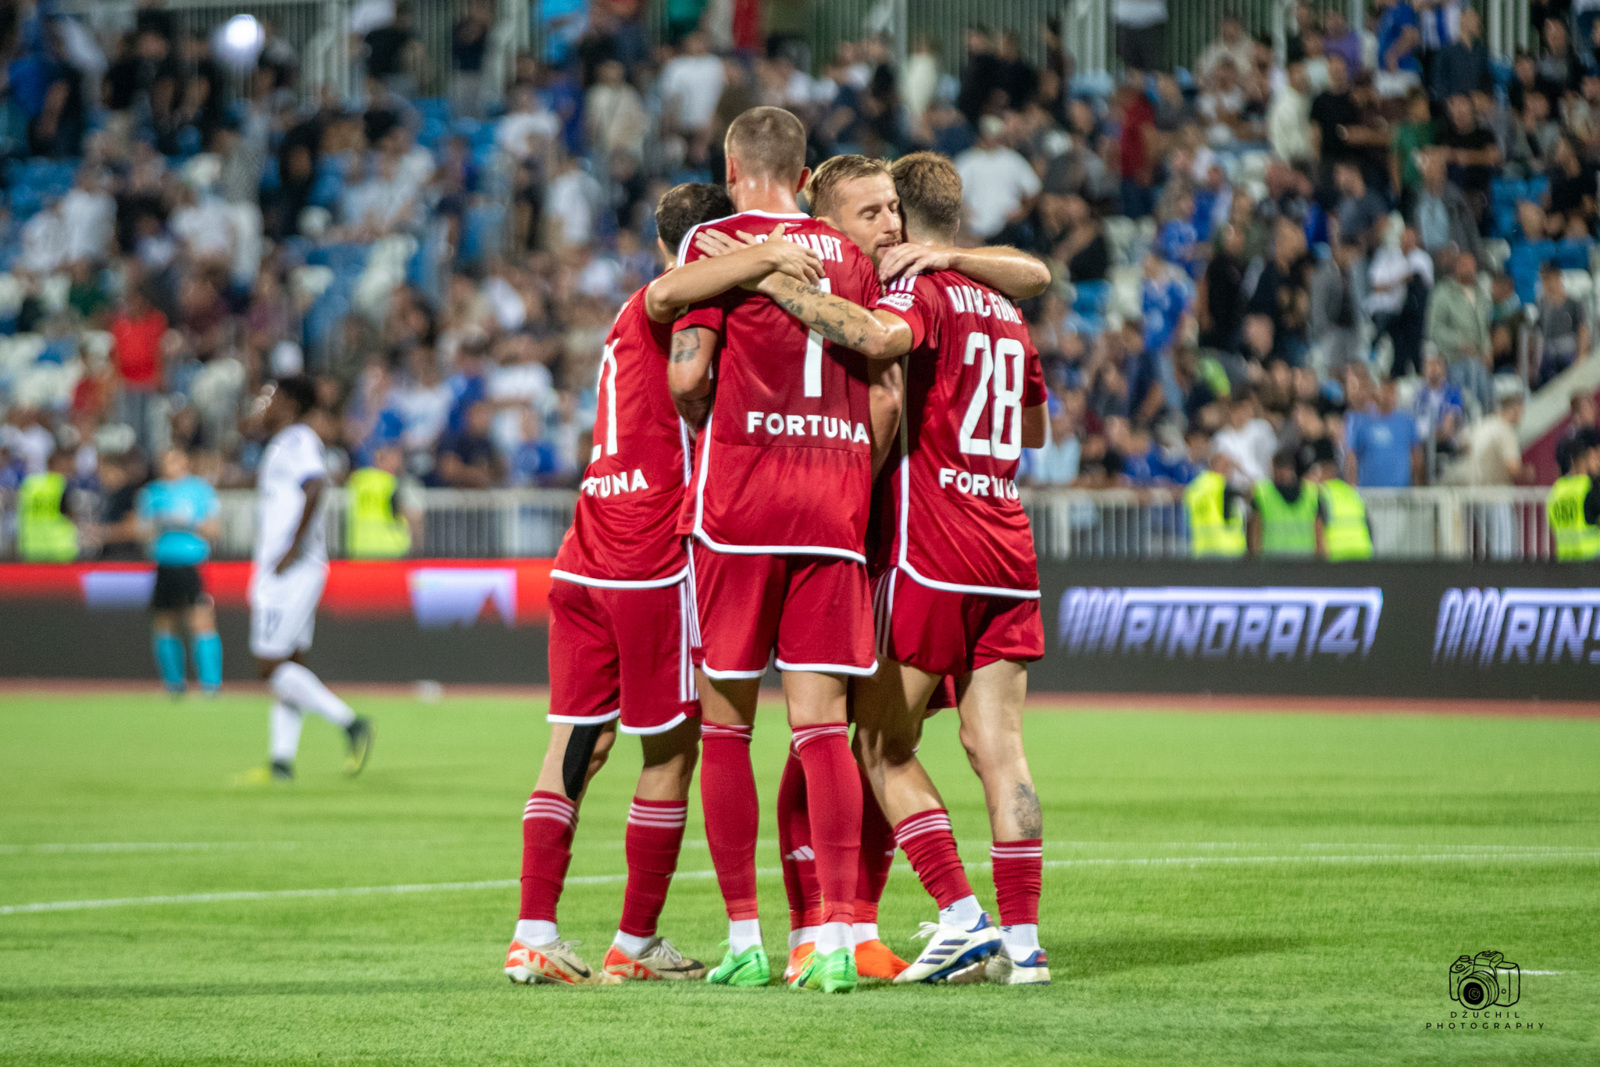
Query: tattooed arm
{"x":875,"y":334}
{"x":1014,"y":273}
{"x":689,"y":373}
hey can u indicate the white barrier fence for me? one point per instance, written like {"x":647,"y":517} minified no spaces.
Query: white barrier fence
{"x":1407,"y":524}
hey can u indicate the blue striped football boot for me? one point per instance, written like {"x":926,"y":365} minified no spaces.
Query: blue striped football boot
{"x":953,"y":953}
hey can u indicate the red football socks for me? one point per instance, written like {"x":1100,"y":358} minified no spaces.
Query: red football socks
{"x":653,"y":840}
{"x":1018,"y":873}
{"x":833,"y":801}
{"x":794,"y":847}
{"x":931,"y":848}
{"x":548,"y":822}
{"x":877,"y":855}
{"x":728,"y":795}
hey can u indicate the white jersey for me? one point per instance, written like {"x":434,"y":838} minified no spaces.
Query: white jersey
{"x":293,"y":458}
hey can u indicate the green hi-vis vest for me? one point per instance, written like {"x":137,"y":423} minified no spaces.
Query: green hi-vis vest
{"x":1575,"y":538}
{"x":1212,"y":534}
{"x":1287,"y":530}
{"x":44,"y":535}
{"x":1345,"y":532}
{"x":373,"y":529}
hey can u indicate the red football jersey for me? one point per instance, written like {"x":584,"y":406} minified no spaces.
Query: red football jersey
{"x":784,"y":465}
{"x":625,"y":529}
{"x":953,"y":512}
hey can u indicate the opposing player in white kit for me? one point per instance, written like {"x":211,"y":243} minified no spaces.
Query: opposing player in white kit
{"x":291,"y":567}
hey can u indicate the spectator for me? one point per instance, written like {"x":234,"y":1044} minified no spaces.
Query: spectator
{"x":1141,"y":33}
{"x":1463,"y":65}
{"x":1221,"y":301}
{"x":1083,"y":247}
{"x":137,"y":333}
{"x":1441,"y":214}
{"x":614,"y":114}
{"x":1494,"y":456}
{"x":1334,"y":114}
{"x":1289,"y":118}
{"x":1440,"y":409}
{"x":466,"y":458}
{"x":1470,"y":151}
{"x":1410,"y":138}
{"x":393,"y":52}
{"x":1232,"y":45}
{"x":998,"y":187}
{"x":1563,"y":327}
{"x":1057,"y":462}
{"x":1335,"y":310}
{"x":1582,"y":418}
{"x":1339,"y":40}
{"x":691,"y":84}
{"x":469,"y":46}
{"x":1382,"y":450}
{"x":1399,"y":38}
{"x":1400,"y":279}
{"x":1283,"y":292}
{"x":1136,"y":147}
{"x":1361,"y":213}
{"x":1458,"y":326}
{"x":1248,"y":441}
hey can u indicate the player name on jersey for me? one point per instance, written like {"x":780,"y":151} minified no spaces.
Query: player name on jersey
{"x":970,"y":300}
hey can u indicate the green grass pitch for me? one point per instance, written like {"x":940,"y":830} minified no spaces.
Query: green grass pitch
{"x":1219,"y":889}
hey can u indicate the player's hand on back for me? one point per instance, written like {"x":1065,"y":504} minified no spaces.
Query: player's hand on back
{"x":782,"y":256}
{"x":912,"y":259}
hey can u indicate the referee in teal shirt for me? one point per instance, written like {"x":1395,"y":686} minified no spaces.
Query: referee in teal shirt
{"x":179,"y":514}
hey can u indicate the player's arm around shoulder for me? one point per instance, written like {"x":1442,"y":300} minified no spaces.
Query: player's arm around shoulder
{"x":728,"y":262}
{"x":876,"y":334}
{"x":1016,"y":274}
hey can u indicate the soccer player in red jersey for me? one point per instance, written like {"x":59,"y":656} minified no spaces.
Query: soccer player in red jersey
{"x":857,"y":195}
{"x":622,"y":623}
{"x":960,"y":596}
{"x":777,"y":514}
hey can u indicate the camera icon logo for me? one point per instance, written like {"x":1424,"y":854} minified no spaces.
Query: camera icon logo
{"x":1486,"y":980}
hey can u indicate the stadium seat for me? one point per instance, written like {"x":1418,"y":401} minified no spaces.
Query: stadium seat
{"x":1090,"y":298}
{"x":1125,"y":292}
{"x":1496,"y":250}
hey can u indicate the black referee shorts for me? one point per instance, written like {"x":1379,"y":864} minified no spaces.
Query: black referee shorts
{"x":177,"y":589}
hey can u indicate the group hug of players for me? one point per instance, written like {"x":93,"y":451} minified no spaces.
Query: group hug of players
{"x":805,"y":451}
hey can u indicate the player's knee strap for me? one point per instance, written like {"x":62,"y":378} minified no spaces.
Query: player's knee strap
{"x":575,"y":763}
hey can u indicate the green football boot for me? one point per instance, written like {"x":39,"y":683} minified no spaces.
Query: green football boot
{"x":831,"y":973}
{"x":747,"y":968}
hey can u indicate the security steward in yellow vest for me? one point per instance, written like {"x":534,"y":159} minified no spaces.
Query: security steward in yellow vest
{"x":1284,"y":513}
{"x":376,"y":526}
{"x":1343,"y":533}
{"x":46,"y":532}
{"x":1216,"y":513}
{"x":1574,"y":504}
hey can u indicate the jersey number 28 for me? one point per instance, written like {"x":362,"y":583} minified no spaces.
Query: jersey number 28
{"x":1000,"y":380}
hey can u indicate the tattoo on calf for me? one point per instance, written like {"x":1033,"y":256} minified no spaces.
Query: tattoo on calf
{"x":1025,"y":807}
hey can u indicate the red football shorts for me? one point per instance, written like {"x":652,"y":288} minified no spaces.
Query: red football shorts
{"x":941,"y":632}
{"x":622,"y":652}
{"x":813,"y":611}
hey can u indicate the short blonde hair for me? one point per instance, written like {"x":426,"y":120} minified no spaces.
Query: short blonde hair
{"x":822,"y":191}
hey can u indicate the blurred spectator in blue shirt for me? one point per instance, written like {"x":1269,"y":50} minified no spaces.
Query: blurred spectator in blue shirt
{"x":1382,"y":450}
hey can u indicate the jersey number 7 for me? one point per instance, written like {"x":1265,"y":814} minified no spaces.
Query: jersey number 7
{"x":1000,"y":368}
{"x":813,"y":365}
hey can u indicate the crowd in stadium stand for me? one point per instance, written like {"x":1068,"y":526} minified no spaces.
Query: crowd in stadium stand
{"x":1357,"y":255}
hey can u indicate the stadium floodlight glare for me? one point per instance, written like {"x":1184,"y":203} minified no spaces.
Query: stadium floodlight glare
{"x":239,"y":42}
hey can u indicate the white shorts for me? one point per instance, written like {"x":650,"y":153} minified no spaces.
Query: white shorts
{"x":283,"y":610}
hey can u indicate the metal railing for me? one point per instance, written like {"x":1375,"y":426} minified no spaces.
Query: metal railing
{"x":1407,"y":524}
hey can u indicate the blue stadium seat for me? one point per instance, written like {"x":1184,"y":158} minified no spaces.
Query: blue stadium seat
{"x":1091,"y":298}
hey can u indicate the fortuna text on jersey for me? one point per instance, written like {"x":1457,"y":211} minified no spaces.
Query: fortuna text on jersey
{"x":806,"y":426}
{"x":978,"y":484}
{"x":614,"y":484}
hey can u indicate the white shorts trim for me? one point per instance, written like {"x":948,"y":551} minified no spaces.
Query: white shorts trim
{"x":974,"y":590}
{"x":830,"y":668}
{"x":584,"y":720}
{"x":648,"y":731}
{"x":711,"y":672}
{"x":614,"y":583}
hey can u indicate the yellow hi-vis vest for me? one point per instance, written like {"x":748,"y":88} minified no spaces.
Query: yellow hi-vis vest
{"x":1575,"y":538}
{"x":1287,"y":530}
{"x":1345,"y":532}
{"x":1212,"y":534}
{"x":373,"y":528}
{"x":44,"y":535}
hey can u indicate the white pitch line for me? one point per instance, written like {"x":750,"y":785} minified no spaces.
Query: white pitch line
{"x":144,"y":846}
{"x":615,"y":879}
